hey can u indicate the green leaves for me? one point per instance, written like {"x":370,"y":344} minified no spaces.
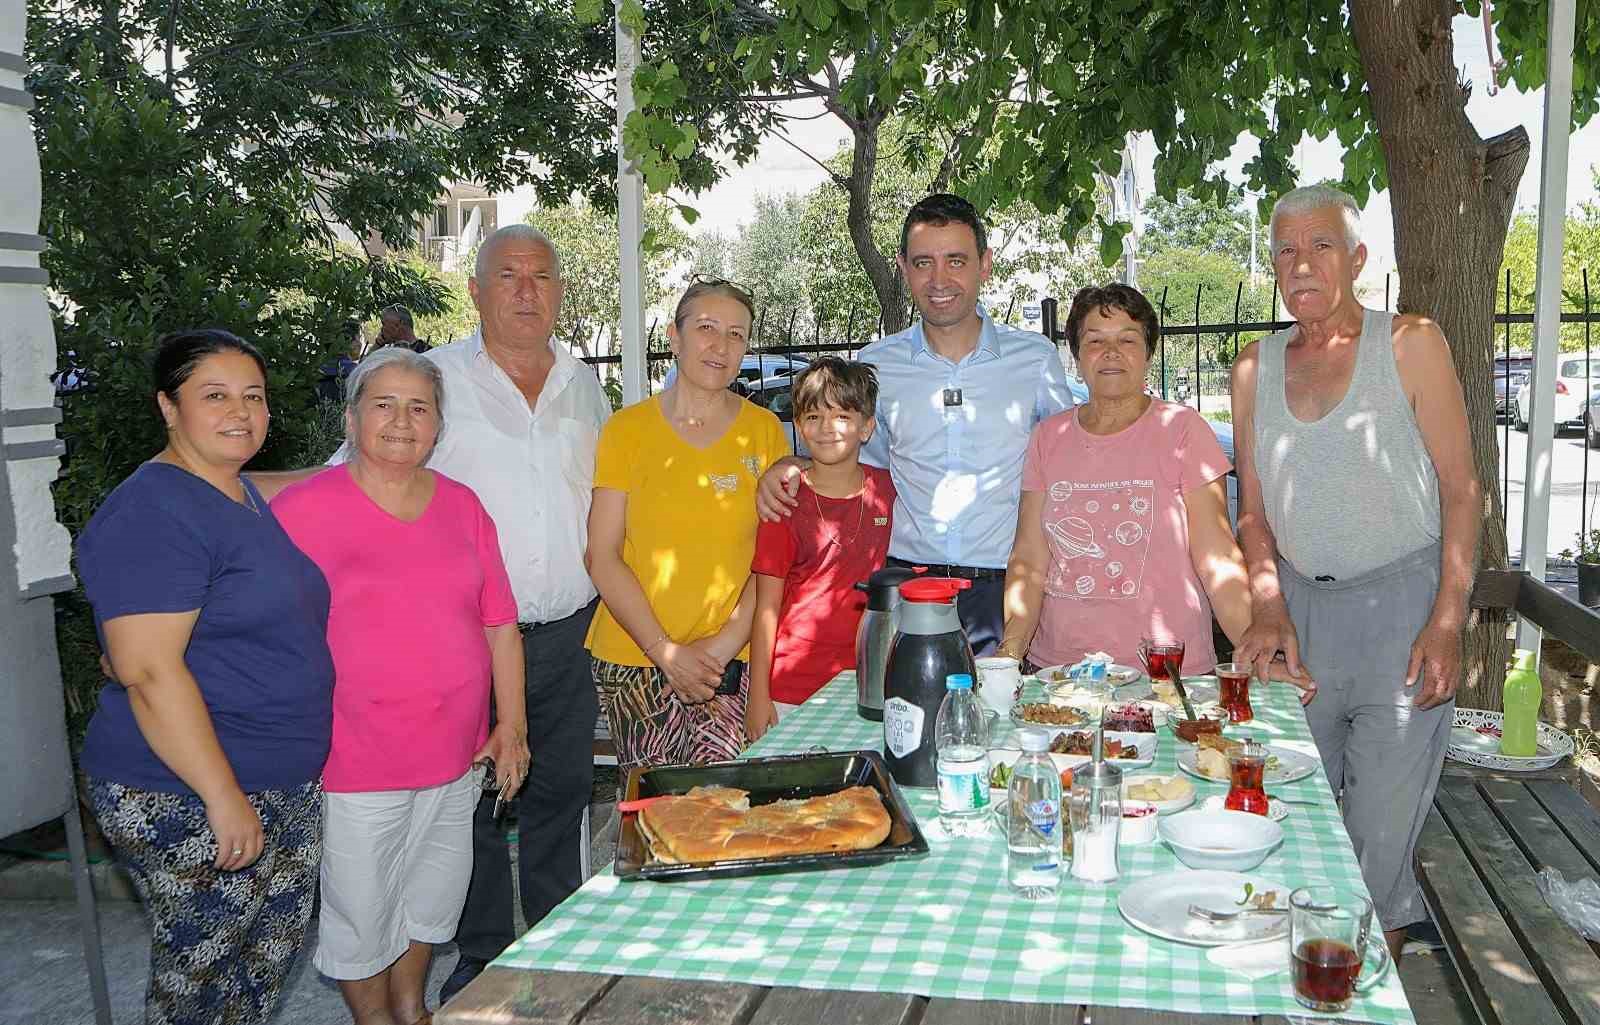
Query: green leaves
{"x":1111,"y":236}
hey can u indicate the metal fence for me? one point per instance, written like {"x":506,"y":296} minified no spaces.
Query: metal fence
{"x":1186,"y":368}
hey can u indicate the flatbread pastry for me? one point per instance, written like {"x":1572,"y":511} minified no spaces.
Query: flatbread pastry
{"x":718,"y":824}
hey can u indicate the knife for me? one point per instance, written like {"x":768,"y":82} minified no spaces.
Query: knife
{"x":1183,"y":695}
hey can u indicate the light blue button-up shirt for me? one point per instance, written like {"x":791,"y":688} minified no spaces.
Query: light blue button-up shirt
{"x":957,"y":469}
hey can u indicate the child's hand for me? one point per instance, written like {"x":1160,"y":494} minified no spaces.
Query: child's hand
{"x":760,"y":715}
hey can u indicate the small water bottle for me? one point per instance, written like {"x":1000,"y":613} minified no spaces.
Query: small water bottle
{"x":963,"y":760}
{"x":1033,"y":833}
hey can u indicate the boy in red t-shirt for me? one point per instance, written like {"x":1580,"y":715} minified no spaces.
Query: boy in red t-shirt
{"x":806,"y":566}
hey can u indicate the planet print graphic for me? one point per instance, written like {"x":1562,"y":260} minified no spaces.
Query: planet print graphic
{"x":1084,"y":584}
{"x":1076,"y":538}
{"x":1128,"y":533}
{"x":1060,"y":491}
{"x":1113,"y":570}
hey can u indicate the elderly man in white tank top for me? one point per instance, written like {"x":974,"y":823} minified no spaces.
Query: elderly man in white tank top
{"x":1359,"y":516}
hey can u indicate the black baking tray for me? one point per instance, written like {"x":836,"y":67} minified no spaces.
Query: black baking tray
{"x":768,"y":780}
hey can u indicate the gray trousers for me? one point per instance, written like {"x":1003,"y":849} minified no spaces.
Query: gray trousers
{"x":1385,"y":754}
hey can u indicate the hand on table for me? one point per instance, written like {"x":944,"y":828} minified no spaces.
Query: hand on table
{"x":1278,"y":671}
{"x":1436,"y":664}
{"x":237,"y":828}
{"x":760,"y":715}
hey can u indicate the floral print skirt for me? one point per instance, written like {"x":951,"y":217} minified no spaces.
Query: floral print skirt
{"x":650,"y":726}
{"x":222,"y":942}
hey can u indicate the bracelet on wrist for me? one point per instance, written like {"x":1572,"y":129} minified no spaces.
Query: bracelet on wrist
{"x":653,"y":645}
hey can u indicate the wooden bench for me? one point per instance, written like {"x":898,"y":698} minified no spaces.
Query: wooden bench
{"x":508,"y":996}
{"x":1482,"y":846}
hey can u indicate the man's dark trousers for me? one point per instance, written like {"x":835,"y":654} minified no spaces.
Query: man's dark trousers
{"x":562,"y":707}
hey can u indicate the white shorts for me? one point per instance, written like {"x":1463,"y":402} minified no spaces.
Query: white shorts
{"x":395,"y":868}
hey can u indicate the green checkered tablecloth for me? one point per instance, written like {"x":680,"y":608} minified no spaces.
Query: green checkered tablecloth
{"x":946,"y":925}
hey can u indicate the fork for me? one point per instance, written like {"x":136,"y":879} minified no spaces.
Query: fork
{"x":1211,"y":915}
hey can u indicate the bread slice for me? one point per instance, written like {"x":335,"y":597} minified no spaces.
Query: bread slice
{"x":718,"y":824}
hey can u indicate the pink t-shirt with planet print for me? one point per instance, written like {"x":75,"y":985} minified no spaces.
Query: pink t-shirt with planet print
{"x":1118,"y":535}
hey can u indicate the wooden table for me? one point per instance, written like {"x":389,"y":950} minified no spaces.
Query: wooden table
{"x":1481,"y":848}
{"x":508,"y":996}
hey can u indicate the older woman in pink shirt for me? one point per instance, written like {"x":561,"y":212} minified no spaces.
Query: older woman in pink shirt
{"x":422,"y":623}
{"x":1123,"y":530}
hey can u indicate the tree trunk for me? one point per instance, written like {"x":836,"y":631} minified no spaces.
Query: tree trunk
{"x":881,"y":271}
{"x":1452,"y":194}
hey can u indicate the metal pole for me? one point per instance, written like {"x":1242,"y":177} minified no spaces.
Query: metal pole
{"x":1589,"y":387}
{"x":630,"y":226}
{"x":1505,"y":443}
{"x":1163,"y":343}
{"x":1547,"y":300}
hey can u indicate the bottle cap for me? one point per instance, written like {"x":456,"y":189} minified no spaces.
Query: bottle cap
{"x":934,"y":589}
{"x":1034,"y":741}
{"x":958,"y":681}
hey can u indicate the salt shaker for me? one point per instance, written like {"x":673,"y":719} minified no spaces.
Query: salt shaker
{"x":1096,"y":811}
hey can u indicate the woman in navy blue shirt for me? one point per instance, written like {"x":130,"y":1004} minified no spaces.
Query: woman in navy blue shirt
{"x":204,"y":755}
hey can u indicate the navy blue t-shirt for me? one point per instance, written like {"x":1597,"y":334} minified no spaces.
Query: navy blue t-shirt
{"x":167,"y":541}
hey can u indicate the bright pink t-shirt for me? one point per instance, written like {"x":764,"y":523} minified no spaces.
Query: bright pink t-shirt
{"x":821,"y":552}
{"x":1118,"y":534}
{"x":406,"y":627}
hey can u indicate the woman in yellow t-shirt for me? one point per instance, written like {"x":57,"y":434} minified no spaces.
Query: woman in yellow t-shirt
{"x":672,"y":532}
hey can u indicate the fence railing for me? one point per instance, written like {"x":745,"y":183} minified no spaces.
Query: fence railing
{"x":1193,"y":360}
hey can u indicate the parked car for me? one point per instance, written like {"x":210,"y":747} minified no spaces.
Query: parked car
{"x":1591,"y":420}
{"x":1509,"y":373}
{"x":1575,"y":379}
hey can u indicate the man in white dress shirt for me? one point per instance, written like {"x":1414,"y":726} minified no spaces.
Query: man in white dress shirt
{"x":525,"y":416}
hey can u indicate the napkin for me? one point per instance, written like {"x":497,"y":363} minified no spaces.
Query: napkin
{"x":1254,"y":961}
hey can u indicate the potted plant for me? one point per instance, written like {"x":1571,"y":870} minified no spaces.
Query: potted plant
{"x":1587,"y":558}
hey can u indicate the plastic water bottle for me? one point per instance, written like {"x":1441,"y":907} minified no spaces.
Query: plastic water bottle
{"x":1520,"y":700}
{"x":963,"y":759}
{"x":1033,"y":831}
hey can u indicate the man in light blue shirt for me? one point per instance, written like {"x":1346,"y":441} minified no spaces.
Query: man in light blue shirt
{"x":958,"y":396}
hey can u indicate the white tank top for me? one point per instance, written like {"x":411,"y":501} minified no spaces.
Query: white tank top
{"x":1354,"y":490}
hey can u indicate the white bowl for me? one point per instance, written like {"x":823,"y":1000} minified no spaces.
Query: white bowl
{"x":1232,"y":840}
{"x":1139,"y":829}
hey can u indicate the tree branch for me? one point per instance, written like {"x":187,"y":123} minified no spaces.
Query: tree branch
{"x":834,"y":176}
{"x":172,"y":32}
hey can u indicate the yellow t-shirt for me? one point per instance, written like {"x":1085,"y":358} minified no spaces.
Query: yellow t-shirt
{"x":690,"y":529}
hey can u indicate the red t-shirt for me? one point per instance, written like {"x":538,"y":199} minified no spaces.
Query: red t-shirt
{"x":821,"y":552}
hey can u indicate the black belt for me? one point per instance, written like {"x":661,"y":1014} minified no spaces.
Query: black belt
{"x":942,"y":569}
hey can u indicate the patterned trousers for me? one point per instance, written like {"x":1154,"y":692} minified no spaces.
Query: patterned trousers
{"x":650,"y":726}
{"x":221,"y":942}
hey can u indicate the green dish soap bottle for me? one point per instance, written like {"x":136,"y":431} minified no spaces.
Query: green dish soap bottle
{"x":1520,"y":699}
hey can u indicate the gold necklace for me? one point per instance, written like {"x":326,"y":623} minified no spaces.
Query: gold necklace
{"x":861,"y":512}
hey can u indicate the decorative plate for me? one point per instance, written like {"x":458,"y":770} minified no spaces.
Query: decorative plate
{"x":1475,"y":740}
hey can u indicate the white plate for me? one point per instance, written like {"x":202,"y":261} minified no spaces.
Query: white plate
{"x":1016,"y":715}
{"x":1292,"y":765}
{"x":1201,"y":689}
{"x":1475,"y":740}
{"x":1116,"y":673}
{"x":1162,"y":807}
{"x":1277,"y":811}
{"x":1145,"y":743}
{"x":1159,"y":905}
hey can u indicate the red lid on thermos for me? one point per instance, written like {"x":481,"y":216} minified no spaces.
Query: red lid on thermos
{"x":933,"y":589}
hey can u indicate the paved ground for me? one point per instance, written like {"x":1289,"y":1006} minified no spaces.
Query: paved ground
{"x":42,"y":978}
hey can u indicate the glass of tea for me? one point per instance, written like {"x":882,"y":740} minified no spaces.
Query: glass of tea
{"x":1247,"y":770}
{"x":1233,"y":679}
{"x":1163,"y":660}
{"x":1335,"y":950}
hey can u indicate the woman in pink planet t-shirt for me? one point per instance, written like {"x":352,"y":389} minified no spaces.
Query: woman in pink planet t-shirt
{"x":1123,"y":529}
{"x":422,"y":622}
